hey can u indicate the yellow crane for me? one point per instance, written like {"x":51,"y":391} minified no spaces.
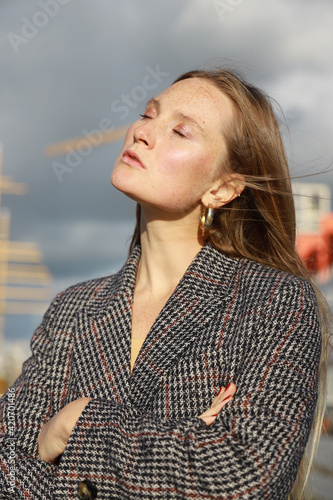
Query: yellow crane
{"x":68,"y":145}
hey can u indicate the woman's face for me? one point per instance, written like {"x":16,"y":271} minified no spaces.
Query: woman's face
{"x":173,"y":154}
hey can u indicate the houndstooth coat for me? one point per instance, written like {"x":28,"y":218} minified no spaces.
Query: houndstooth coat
{"x":140,"y":436}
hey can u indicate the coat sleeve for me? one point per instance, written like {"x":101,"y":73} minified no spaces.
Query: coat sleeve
{"x":23,"y":410}
{"x":253,"y":449}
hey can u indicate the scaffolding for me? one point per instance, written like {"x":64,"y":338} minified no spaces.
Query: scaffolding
{"x":24,"y":280}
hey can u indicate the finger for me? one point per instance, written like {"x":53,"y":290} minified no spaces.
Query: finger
{"x":219,"y":405}
{"x":208,"y":420}
{"x":222,"y":394}
{"x":209,"y":417}
{"x":221,"y":390}
{"x":214,"y":410}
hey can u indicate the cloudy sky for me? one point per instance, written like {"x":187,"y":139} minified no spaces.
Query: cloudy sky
{"x":68,"y":67}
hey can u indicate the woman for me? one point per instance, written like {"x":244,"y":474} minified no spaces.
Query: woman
{"x":219,"y":401}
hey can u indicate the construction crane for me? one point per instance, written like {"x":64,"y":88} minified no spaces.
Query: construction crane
{"x":69,"y":145}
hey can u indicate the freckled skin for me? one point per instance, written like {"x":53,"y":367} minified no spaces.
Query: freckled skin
{"x":179,"y":170}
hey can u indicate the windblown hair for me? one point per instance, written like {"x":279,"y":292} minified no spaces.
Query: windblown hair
{"x":260,"y":224}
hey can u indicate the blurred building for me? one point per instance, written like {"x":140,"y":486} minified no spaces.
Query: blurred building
{"x":312,"y":202}
{"x":315,"y":247}
{"x":315,"y":228}
{"x":24,"y":283}
{"x":12,"y":357}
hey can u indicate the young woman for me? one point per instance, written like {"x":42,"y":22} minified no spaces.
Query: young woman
{"x":194,"y":371}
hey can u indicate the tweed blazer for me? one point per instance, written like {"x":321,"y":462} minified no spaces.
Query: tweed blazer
{"x":140,"y":437}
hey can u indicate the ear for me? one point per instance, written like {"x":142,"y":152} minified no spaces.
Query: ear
{"x":223,"y":191}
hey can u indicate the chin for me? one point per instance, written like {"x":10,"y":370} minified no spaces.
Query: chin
{"x":113,"y":180}
{"x":118,"y":178}
{"x":121,"y":185}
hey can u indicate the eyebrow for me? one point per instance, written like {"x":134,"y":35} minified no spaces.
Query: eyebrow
{"x":179,"y":114}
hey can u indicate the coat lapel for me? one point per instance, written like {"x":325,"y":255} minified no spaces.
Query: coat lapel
{"x":199,"y":296}
{"x":101,"y":354}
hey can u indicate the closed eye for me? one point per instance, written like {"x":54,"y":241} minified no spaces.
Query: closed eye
{"x":144,"y":116}
{"x":179,"y":133}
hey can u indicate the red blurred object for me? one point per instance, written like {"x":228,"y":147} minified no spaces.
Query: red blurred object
{"x":316,"y":250}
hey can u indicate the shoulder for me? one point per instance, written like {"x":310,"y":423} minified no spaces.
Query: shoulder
{"x":241,"y":276}
{"x":244,"y":281}
{"x":66,"y":303}
{"x":274,"y":284}
{"x":90,"y":289}
{"x":94,"y":293}
{"x":281,"y":302}
{"x":277,"y":313}
{"x":266,"y":293}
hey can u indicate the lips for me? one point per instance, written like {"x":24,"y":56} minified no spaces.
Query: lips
{"x":131,"y":158}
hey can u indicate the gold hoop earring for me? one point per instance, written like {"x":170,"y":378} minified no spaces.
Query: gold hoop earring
{"x":206,"y":218}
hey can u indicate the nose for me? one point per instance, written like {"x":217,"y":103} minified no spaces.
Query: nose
{"x":143,"y":133}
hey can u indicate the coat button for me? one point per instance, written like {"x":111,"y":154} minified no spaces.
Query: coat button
{"x":86,"y":490}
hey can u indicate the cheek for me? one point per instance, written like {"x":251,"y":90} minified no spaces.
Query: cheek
{"x":175,"y":161}
{"x":195,"y":168}
{"x":183,"y":178}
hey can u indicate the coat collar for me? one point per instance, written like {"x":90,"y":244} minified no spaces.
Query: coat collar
{"x":106,"y":318}
{"x":209,"y":273}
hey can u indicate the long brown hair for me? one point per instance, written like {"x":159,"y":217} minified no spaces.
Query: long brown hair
{"x":260,"y":224}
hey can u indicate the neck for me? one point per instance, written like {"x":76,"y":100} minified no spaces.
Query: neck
{"x":167,"y":249}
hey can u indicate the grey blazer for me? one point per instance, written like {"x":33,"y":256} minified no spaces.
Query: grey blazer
{"x":140,"y":437}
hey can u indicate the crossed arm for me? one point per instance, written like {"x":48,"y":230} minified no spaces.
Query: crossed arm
{"x":55,"y":433}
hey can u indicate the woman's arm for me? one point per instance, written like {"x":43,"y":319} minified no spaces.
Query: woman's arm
{"x":23,"y":410}
{"x":55,"y":433}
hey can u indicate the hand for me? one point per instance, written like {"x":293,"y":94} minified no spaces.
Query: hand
{"x":54,"y":435}
{"x":221,"y":399}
